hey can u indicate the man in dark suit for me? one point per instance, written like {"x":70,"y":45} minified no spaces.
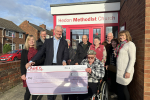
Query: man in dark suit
{"x":41,"y":40}
{"x":56,"y":50}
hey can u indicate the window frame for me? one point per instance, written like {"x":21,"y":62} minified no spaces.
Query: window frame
{"x":21,"y":35}
{"x":8,"y":33}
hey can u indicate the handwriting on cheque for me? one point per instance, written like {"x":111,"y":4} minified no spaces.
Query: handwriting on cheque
{"x":35,"y":68}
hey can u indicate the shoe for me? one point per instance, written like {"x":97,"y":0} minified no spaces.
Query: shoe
{"x":113,"y":96}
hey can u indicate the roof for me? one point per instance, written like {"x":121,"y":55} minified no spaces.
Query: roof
{"x":84,"y":3}
{"x":49,"y":32}
{"x":9,"y":25}
{"x":40,"y":28}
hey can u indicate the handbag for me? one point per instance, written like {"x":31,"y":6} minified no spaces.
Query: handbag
{"x":24,"y":83}
{"x":112,"y":68}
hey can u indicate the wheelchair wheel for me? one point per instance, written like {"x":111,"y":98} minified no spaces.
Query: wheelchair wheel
{"x":104,"y":93}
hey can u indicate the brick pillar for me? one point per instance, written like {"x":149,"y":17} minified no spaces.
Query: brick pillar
{"x":147,"y":52}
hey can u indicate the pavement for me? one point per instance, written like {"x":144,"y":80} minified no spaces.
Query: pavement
{"x":17,"y":93}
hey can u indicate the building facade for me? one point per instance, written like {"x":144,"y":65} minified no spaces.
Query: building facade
{"x":11,"y":34}
{"x":90,"y":18}
{"x":33,"y":29}
{"x":94,"y":19}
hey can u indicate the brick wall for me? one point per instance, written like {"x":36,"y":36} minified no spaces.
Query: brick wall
{"x":133,"y":14}
{"x":25,"y":26}
{"x":147,"y":52}
{"x":10,"y":75}
{"x":16,"y":40}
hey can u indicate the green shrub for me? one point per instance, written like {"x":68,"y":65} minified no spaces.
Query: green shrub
{"x":6,"y":48}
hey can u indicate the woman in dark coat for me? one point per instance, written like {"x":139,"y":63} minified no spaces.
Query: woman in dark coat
{"x":27,"y":54}
{"x":111,"y":67}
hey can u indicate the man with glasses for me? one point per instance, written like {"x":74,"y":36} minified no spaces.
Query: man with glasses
{"x":96,"y":72}
{"x":82,"y":49}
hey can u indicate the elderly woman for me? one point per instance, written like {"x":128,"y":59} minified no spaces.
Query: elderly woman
{"x":71,"y":54}
{"x":95,"y":70}
{"x":111,"y":67}
{"x":99,"y":49}
{"x":126,"y":56}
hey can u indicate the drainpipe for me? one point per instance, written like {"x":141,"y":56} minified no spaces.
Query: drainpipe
{"x":122,"y":4}
{"x":2,"y":37}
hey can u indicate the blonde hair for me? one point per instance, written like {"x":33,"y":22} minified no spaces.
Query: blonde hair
{"x":26,"y":46}
{"x":128,"y":36}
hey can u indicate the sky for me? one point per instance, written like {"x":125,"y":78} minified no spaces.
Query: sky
{"x":35,"y":11}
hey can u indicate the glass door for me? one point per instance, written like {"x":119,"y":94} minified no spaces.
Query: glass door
{"x":96,"y":33}
{"x":76,"y":36}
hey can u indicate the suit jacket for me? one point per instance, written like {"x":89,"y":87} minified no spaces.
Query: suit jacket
{"x":39,"y":44}
{"x":24,"y":61}
{"x":48,"y":49}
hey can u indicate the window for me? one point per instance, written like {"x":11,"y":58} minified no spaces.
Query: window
{"x":20,"y":35}
{"x":76,"y":36}
{"x":123,"y":27}
{"x":21,"y":46}
{"x":9,"y":33}
{"x":20,"y":51}
{"x":96,"y":33}
{"x":112,"y":29}
{"x":64,"y":33}
{"x":14,"y":47}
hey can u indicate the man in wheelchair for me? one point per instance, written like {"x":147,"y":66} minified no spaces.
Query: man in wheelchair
{"x":96,"y":72}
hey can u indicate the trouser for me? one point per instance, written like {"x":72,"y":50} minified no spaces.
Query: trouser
{"x":27,"y":95}
{"x":122,"y":92}
{"x":113,"y":86}
{"x":106,"y":74}
{"x":70,"y":97}
{"x":92,"y":89}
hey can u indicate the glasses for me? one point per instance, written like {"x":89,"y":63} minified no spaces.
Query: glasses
{"x":90,"y":57}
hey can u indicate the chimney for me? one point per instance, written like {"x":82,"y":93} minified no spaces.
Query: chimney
{"x":26,"y":21}
{"x":43,"y":26}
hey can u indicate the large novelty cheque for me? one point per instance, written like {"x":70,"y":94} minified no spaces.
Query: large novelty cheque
{"x":53,"y":80}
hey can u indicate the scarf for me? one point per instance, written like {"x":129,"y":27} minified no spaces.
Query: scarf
{"x":119,"y":46}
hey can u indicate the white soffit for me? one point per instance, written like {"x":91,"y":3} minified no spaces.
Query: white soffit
{"x":88,"y":8}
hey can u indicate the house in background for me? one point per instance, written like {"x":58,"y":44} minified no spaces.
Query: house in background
{"x":33,"y":29}
{"x":11,"y":34}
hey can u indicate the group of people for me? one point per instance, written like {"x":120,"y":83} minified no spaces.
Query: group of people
{"x":113,"y":59}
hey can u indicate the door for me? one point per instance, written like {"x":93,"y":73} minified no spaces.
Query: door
{"x":76,"y":36}
{"x":97,"y":32}
{"x":92,"y":32}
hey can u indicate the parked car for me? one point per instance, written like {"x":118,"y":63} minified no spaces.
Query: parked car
{"x":11,"y":56}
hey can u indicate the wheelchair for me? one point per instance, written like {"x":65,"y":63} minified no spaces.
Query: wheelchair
{"x":102,"y":92}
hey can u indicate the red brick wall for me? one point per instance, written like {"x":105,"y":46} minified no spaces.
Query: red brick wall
{"x":133,"y":14}
{"x":147,"y":52}
{"x":16,"y":40}
{"x":9,"y":75}
{"x":25,"y":26}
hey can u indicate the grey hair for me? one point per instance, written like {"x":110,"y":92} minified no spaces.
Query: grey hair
{"x":111,"y":33}
{"x":42,"y":31}
{"x":59,"y":26}
{"x":68,"y":40}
